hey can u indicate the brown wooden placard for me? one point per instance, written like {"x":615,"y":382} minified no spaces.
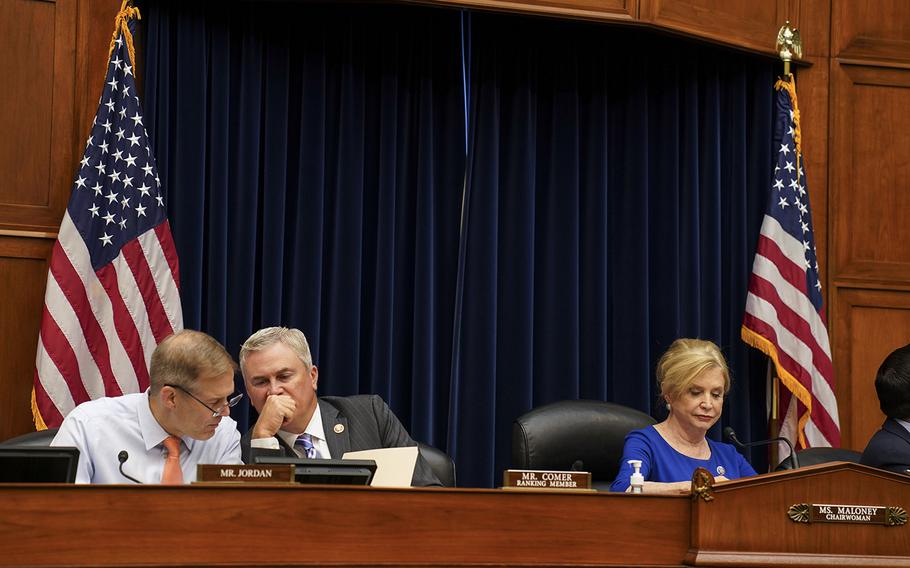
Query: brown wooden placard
{"x":858,"y":514}
{"x":538,"y":479}
{"x":213,"y":473}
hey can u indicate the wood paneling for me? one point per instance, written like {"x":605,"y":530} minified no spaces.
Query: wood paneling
{"x":870,"y":324}
{"x":257,"y":525}
{"x":812,"y":94}
{"x":868,"y":200}
{"x":95,"y":26}
{"x":23,"y":273}
{"x":744,"y":23}
{"x":236,"y":525}
{"x":37,"y":40}
{"x":27,"y":66}
{"x":872,"y":142}
{"x":814,"y":23}
{"x":767,"y":535}
{"x":871,"y":30}
{"x":587,"y":9}
{"x":50,"y":77}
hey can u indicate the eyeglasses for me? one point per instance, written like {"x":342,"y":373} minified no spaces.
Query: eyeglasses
{"x":231,"y":402}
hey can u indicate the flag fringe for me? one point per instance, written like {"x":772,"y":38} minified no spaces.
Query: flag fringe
{"x":799,"y":391}
{"x":36,"y":414}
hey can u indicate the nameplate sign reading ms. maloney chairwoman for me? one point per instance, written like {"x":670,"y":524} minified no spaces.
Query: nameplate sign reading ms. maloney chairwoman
{"x":860,"y":514}
{"x":533,"y":479}
{"x":210,"y":473}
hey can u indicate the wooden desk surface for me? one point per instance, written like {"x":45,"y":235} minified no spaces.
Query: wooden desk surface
{"x":746,"y":524}
{"x":244,"y":525}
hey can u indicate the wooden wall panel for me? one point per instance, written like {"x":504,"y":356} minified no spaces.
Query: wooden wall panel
{"x":27,"y":66}
{"x":52,"y":64}
{"x":743,"y":23}
{"x":586,"y":9}
{"x":23,"y":273}
{"x":871,"y":324}
{"x":877,"y":30}
{"x":37,"y":40}
{"x":872,"y":142}
{"x":95,"y":24}
{"x":814,"y":23}
{"x":812,"y":95}
{"x":868,"y":203}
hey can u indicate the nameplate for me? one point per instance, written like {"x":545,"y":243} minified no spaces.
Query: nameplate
{"x":532,"y":479}
{"x":858,"y":514}
{"x":210,"y":473}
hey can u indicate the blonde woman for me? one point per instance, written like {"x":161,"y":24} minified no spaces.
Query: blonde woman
{"x":693,"y":380}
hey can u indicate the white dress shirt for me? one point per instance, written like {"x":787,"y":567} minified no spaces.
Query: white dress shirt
{"x":903,"y":423}
{"x":314,"y":429}
{"x":102,"y":428}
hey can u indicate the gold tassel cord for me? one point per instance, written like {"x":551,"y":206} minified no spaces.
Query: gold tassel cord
{"x":121,"y":25}
{"x":789,"y":85}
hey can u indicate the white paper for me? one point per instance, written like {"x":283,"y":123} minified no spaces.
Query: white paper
{"x":394,"y":466}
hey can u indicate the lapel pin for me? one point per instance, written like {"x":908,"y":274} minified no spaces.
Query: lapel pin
{"x":339,"y":428}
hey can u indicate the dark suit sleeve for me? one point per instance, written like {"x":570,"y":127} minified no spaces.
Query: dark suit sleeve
{"x":394,"y":435}
{"x":888,"y":449}
{"x":248,"y":453}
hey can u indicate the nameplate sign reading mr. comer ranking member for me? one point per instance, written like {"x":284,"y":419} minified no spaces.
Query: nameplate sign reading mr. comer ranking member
{"x":245,"y":473}
{"x":532,"y":479}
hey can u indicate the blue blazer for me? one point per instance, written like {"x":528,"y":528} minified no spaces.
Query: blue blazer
{"x":889,"y":448}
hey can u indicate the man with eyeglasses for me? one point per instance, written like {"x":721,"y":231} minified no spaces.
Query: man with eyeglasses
{"x":161,"y":435}
{"x":281,"y":379}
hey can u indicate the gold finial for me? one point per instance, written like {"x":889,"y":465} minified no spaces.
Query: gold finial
{"x":789,"y":45}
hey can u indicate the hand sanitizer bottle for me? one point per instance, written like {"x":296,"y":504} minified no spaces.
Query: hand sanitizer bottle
{"x":637,"y":481}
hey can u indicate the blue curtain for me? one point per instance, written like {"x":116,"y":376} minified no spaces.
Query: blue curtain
{"x":608,"y":202}
{"x":314,"y":163}
{"x":615,"y":186}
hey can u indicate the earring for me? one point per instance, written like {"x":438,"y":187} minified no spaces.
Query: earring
{"x":668,"y":406}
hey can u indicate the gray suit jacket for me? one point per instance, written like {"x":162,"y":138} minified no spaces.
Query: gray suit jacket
{"x":889,"y":448}
{"x":366,"y":423}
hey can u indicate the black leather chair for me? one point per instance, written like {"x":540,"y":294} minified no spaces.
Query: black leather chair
{"x":558,"y":435}
{"x":440,"y":462}
{"x":39,"y":438}
{"x":813,"y":456}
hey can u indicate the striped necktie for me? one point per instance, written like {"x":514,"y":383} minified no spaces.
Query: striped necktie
{"x":305,"y":441}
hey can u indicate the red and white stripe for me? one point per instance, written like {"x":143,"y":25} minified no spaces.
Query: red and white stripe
{"x":779,"y":310}
{"x":99,"y":328}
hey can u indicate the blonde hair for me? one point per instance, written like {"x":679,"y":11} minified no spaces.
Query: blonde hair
{"x":266,"y":337}
{"x":186,"y":357}
{"x":684,"y":361}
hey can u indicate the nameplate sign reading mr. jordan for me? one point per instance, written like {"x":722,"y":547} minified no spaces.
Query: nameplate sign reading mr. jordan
{"x":528,"y":479}
{"x":862,"y":514}
{"x":245,"y":473}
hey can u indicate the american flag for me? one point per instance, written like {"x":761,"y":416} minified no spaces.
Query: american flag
{"x":113,"y":283}
{"x":784,"y":316}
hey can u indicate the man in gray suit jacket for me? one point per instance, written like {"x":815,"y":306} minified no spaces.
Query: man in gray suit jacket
{"x":281,"y":382}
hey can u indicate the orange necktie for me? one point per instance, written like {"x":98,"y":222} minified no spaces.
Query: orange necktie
{"x":172,"y":474}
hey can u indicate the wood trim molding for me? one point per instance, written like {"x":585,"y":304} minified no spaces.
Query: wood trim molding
{"x":27,"y":234}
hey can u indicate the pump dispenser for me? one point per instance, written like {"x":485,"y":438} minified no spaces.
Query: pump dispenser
{"x":637,"y":481}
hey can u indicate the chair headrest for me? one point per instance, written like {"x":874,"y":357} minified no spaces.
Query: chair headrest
{"x":557,"y":435}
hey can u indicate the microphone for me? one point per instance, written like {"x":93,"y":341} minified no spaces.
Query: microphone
{"x":730,"y":436}
{"x":122,"y":457}
{"x":578,"y":465}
